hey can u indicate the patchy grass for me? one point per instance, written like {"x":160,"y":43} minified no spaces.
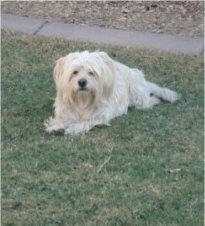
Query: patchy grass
{"x":146,"y":169}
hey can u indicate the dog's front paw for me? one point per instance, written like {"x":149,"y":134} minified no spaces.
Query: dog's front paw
{"x":52,"y":125}
{"x":78,"y":128}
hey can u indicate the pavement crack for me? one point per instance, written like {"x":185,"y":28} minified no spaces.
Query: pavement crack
{"x":40,"y":27}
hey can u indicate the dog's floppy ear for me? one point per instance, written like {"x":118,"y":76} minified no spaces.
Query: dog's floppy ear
{"x":108,"y":74}
{"x":106,"y":58}
{"x":59,"y":68}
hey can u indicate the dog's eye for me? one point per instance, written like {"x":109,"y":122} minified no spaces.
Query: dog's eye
{"x":90,"y":73}
{"x":75,"y":72}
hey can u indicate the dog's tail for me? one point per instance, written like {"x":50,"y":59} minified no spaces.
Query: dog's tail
{"x":164,"y":94}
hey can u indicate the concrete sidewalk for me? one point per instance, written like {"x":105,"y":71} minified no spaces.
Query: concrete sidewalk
{"x":160,"y":42}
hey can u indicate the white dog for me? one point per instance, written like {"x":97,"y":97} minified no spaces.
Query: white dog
{"x":92,"y":89}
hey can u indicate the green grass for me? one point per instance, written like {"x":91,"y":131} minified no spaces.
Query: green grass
{"x":145,"y":169}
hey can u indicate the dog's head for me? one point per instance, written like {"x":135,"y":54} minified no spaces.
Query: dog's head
{"x":84,"y":78}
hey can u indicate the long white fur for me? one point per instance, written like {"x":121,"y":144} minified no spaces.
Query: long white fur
{"x":111,"y":88}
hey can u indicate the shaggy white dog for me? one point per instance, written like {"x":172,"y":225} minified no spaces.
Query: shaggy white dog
{"x":92,"y":89}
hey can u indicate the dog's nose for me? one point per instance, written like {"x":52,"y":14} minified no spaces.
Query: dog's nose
{"x":82,"y":83}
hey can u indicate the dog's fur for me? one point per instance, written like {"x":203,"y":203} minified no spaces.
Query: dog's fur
{"x":92,"y":89}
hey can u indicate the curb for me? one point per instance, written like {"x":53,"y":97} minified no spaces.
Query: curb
{"x":134,"y":39}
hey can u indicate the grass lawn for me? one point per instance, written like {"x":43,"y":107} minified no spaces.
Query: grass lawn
{"x":145,"y":169}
